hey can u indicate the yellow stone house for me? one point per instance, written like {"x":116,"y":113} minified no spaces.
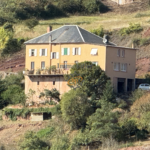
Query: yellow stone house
{"x":71,"y":44}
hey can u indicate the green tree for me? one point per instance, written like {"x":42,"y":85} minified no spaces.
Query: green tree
{"x":93,"y":80}
{"x":75,"y":108}
{"x":99,"y":31}
{"x":104,"y":122}
{"x":32,"y":142}
{"x":2,"y":89}
{"x":54,"y":93}
{"x":14,"y":95}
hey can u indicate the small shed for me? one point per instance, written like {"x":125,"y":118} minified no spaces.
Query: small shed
{"x":40,"y":116}
{"x":122,"y":2}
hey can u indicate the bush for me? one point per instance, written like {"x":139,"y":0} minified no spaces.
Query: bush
{"x":32,"y":142}
{"x":31,"y":23}
{"x":141,"y":41}
{"x":133,"y":28}
{"x":99,"y":31}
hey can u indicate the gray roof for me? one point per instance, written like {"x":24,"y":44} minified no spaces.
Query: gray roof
{"x":69,"y":34}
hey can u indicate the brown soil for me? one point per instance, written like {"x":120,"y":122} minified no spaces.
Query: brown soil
{"x":12,"y":132}
{"x":13,"y":64}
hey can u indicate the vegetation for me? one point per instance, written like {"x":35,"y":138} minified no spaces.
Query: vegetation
{"x":99,"y":31}
{"x":25,"y":112}
{"x":133,"y":28}
{"x":75,"y":108}
{"x":141,"y":41}
{"x":12,"y":90}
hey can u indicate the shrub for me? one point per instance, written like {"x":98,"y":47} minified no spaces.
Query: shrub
{"x":99,"y":31}
{"x":31,"y":23}
{"x":141,"y":41}
{"x":133,"y":28}
{"x":32,"y":142}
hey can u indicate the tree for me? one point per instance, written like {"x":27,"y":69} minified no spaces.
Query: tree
{"x":54,"y":93}
{"x":14,"y":95}
{"x":75,"y":108}
{"x":104,"y":122}
{"x":2,"y":89}
{"x":93,"y":80}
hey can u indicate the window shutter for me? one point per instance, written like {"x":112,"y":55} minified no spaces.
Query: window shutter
{"x":57,"y":55}
{"x":35,"y":52}
{"x":29,"y":52}
{"x":40,"y":52}
{"x":79,"y":50}
{"x":62,"y":51}
{"x":51,"y":55}
{"x":73,"y":51}
{"x":68,"y":51}
{"x":45,"y":52}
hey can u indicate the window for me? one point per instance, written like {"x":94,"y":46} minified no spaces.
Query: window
{"x":118,"y":53}
{"x":32,"y":65}
{"x":43,"y":65}
{"x":123,"y":67}
{"x":38,"y":82}
{"x":32,"y":52}
{"x":65,"y":64}
{"x":94,"y":52}
{"x":53,"y":82}
{"x":76,"y":62}
{"x":95,"y":63}
{"x":123,"y":53}
{"x":65,"y":51}
{"x":54,"y":55}
{"x":76,"y":51}
{"x":116,"y":66}
{"x":43,"y":52}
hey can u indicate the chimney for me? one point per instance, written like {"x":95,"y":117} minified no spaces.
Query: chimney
{"x":49,"y":29}
{"x":105,"y":38}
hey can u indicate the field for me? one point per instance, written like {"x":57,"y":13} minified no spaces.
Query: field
{"x":109,"y":21}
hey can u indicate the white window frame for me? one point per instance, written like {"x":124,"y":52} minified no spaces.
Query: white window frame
{"x":57,"y":55}
{"x":116,"y":66}
{"x":78,"y":51}
{"x":63,"y":50}
{"x":42,"y":50}
{"x":30,"y":52}
{"x":123,"y":67}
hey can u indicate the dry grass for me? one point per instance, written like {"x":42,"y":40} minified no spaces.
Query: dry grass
{"x":109,"y":21}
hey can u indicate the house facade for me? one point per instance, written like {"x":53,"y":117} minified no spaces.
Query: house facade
{"x":68,"y":45}
{"x":122,"y":2}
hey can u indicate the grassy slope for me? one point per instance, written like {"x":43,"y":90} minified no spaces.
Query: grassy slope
{"x":109,"y":21}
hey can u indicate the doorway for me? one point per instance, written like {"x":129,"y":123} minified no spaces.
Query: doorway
{"x":121,"y":85}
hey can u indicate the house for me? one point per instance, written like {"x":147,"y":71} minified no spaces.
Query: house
{"x":71,"y":44}
{"x":122,"y":2}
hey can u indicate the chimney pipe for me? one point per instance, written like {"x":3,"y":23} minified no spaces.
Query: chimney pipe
{"x":49,"y":29}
